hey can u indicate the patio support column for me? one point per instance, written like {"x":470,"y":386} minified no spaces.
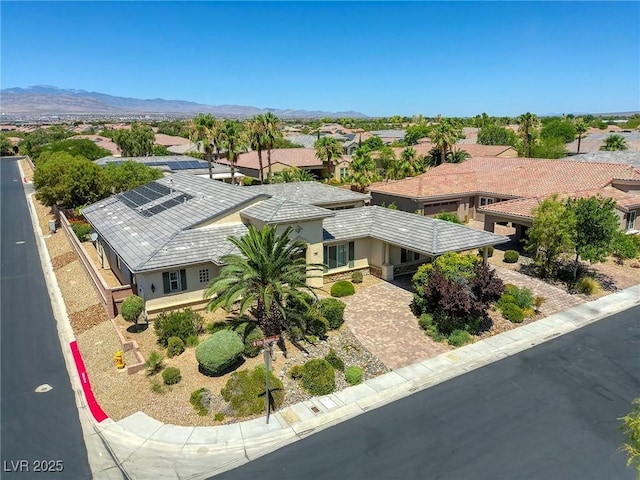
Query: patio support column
{"x":489,"y":225}
{"x":485,"y":255}
{"x":387,"y":268}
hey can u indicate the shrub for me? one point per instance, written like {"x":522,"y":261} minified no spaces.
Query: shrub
{"x":219,"y":416}
{"x":529,"y":312}
{"x":428,"y":325}
{"x":132,"y":308}
{"x":81,"y":229}
{"x":295,"y":372}
{"x":318,"y":377}
{"x":250,"y":332}
{"x":201,"y":401}
{"x":156,"y":386}
{"x":333,"y":310}
{"x":523,"y":297}
{"x":245,"y":392}
{"x":171,"y":375}
{"x":356,"y":277}
{"x":175,"y":346}
{"x":353,"y":375}
{"x":588,"y":286}
{"x":457,"y":338}
{"x":214,"y":327}
{"x":154,"y":362}
{"x":512,"y":312}
{"x":511,"y":256}
{"x":335,"y":361}
{"x":219,"y":352}
{"x":192,"y":341}
{"x":343,"y":288}
{"x":538,"y":301}
{"x":181,"y":324}
{"x":448,"y":217}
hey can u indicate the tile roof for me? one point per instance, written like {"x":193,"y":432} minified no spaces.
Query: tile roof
{"x":518,"y":177}
{"x":311,"y":193}
{"x":626,"y":156}
{"x":307,"y":141}
{"x":103,"y":142}
{"x":278,"y":210}
{"x":291,"y":157}
{"x":169,"y":140}
{"x":407,"y":230}
{"x":137,"y":238}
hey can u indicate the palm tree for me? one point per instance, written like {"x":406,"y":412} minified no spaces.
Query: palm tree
{"x":256,"y":134}
{"x":527,"y":122}
{"x":387,"y":159}
{"x":614,"y":142}
{"x":271,"y":133}
{"x":581,"y":129}
{"x":458,"y":155}
{"x":444,"y":135}
{"x":328,"y":150}
{"x":270,"y":269}
{"x":234,"y":140}
{"x":292,"y":174}
{"x":206,"y":129}
{"x":363,"y":170}
{"x":406,"y":166}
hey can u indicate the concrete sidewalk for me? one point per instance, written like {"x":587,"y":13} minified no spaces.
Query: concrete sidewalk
{"x":147,"y":448}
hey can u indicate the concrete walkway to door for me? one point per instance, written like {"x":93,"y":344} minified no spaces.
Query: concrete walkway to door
{"x":380,"y":317}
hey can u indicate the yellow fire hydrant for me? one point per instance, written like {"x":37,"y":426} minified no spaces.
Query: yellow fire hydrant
{"x":119,"y":360}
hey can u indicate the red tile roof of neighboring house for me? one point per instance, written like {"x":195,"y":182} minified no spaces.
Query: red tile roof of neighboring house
{"x":103,"y":142}
{"x":292,"y":157}
{"x":518,"y":177}
{"x":170,"y":140}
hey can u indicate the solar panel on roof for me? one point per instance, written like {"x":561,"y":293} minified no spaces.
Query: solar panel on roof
{"x":158,"y":188}
{"x":166,"y":205}
{"x":174,"y":165}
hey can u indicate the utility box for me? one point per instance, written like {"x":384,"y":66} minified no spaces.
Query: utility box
{"x":52,"y":226}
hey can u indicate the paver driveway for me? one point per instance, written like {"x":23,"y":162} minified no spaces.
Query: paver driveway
{"x":380,"y":317}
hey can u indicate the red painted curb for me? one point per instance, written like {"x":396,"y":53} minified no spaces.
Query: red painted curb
{"x":96,"y":411}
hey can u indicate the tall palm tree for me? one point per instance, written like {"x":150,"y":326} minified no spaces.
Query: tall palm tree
{"x":581,"y":129}
{"x":527,"y":122}
{"x":387,"y":159}
{"x":614,"y":142}
{"x":444,"y":135}
{"x":271,"y":133}
{"x":406,"y":166}
{"x":234,"y":140}
{"x":328,"y":150}
{"x":269,"y":270}
{"x":256,"y":134}
{"x":200,"y":131}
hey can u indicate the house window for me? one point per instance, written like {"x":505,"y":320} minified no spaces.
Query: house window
{"x":203,"y":274}
{"x":485,"y":201}
{"x":175,"y":281}
{"x":344,"y":173}
{"x":341,"y":255}
{"x":631,"y":220}
{"x":408,"y":256}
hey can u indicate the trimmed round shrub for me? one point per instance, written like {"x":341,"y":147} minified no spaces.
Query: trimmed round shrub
{"x":245,"y":392}
{"x":180,"y":324}
{"x":333,"y":310}
{"x":175,"y":346}
{"x":513,"y":313}
{"x":588,"y":286}
{"x":318,"y":377}
{"x":356,"y":277}
{"x":81,"y":229}
{"x":335,"y":361}
{"x":343,"y":288}
{"x":250,"y":332}
{"x":131,"y":308}
{"x":425,"y":321}
{"x":457,"y":338}
{"x":511,"y":256}
{"x":353,"y":375}
{"x":219,"y":352}
{"x":171,"y":375}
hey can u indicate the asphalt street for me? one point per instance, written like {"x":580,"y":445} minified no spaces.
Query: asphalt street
{"x":40,"y":433}
{"x":547,"y":413}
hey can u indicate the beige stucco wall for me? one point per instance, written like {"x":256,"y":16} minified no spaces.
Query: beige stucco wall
{"x":509,"y":153}
{"x":145,"y":280}
{"x":362,"y":251}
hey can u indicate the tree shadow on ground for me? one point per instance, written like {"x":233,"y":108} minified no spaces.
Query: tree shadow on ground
{"x":137,"y":327}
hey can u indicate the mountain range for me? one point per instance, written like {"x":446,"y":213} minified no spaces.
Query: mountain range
{"x":48,"y":100}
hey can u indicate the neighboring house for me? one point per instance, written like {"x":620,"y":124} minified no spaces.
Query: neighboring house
{"x":281,"y":158}
{"x":167,"y":238}
{"x":178,"y":163}
{"x":593,"y":141}
{"x":185,"y":148}
{"x":629,"y":157}
{"x":306,"y":141}
{"x":315,"y":193}
{"x":506,"y":189}
{"x":389,"y":136}
{"x":170,"y":140}
{"x":470,"y":136}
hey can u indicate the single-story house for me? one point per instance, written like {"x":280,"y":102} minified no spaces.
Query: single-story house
{"x":167,"y":238}
{"x":102,"y":142}
{"x":506,"y":189}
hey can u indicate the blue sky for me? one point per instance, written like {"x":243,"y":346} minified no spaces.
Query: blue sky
{"x":378,"y":58}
